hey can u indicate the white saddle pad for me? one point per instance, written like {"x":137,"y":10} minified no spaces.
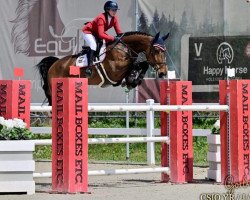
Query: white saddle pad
{"x":82,"y":61}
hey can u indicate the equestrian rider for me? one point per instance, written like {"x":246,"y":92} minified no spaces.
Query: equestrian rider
{"x":98,"y":27}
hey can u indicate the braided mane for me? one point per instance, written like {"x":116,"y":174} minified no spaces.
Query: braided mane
{"x":134,"y":33}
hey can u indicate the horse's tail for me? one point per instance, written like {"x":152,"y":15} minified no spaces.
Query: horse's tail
{"x":43,"y":68}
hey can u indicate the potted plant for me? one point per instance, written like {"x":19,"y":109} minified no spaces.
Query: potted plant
{"x":214,"y":156}
{"x":16,"y":157}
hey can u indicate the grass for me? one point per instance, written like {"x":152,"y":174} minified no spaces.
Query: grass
{"x":138,"y":154}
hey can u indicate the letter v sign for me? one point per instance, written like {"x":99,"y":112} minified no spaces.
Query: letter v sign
{"x":198,"y":49}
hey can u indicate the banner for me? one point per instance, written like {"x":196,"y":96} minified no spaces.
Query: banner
{"x":206,"y":22}
{"x":209,"y":60}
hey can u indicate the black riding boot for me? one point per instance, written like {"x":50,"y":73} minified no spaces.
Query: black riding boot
{"x":90,"y":57}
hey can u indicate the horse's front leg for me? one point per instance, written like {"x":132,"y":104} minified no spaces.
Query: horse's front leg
{"x":137,"y":74}
{"x":144,"y":67}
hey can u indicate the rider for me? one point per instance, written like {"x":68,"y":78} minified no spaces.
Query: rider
{"x":98,"y":27}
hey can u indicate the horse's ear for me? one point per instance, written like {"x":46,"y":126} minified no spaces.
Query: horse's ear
{"x":156,"y":37}
{"x":165,"y":37}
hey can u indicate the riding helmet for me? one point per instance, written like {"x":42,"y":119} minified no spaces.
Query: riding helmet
{"x":110,"y":5}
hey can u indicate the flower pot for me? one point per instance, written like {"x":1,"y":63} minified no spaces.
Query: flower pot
{"x":17,"y":166}
{"x":214,"y":158}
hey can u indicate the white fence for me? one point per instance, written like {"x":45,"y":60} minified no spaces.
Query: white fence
{"x":150,"y":130}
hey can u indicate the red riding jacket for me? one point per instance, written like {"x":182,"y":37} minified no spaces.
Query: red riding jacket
{"x":100,"y":25}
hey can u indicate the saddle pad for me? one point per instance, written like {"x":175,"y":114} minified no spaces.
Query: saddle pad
{"x":82,"y":61}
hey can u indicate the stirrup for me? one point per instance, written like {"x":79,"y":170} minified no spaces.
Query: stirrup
{"x":88,"y":72}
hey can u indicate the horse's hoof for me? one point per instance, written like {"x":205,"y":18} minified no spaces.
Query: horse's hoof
{"x":129,"y":87}
{"x":139,"y":82}
{"x":88,"y":72}
{"x":123,"y":84}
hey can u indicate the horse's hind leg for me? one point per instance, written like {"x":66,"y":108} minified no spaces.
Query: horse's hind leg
{"x":49,"y":99}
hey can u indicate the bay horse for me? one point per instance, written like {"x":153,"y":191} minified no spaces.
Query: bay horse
{"x":119,"y":64}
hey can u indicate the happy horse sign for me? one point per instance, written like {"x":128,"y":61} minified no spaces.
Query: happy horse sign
{"x":70,"y":135}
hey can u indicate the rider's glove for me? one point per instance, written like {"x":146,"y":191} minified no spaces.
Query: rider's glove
{"x":117,"y":38}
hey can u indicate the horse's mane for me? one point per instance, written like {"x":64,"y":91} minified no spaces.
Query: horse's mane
{"x":134,"y":33}
{"x":19,"y":33}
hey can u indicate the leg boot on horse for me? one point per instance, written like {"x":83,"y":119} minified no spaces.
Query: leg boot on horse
{"x":90,"y":57}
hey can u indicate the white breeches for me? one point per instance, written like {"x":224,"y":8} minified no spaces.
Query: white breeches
{"x":90,"y":40}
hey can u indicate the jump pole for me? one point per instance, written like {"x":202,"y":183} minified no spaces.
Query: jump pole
{"x":70,"y":135}
{"x":178,"y":125}
{"x":15,"y":99}
{"x":235,"y":131}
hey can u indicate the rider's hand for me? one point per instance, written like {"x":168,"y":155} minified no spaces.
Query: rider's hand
{"x":117,"y":38}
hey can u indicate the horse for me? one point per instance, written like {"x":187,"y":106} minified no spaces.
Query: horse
{"x":120,"y":66}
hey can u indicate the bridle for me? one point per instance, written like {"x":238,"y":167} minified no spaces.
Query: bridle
{"x":157,"y":65}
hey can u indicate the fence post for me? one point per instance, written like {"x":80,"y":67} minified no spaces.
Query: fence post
{"x":235,"y":138}
{"x":224,"y":120}
{"x":127,"y":126}
{"x":15,"y":99}
{"x":179,"y":155}
{"x":150,"y":132}
{"x":181,"y":137}
{"x":164,"y":100}
{"x":70,"y":135}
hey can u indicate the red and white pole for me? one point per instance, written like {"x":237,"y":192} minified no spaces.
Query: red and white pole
{"x":70,"y":135}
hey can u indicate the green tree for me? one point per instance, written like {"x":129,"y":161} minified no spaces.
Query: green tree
{"x":155,"y":25}
{"x":143,"y":23}
{"x":184,"y":22}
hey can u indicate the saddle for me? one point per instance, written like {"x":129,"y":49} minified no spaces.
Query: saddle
{"x":99,"y":55}
{"x":86,"y":49}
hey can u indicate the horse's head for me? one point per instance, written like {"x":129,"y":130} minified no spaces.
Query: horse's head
{"x":156,"y":55}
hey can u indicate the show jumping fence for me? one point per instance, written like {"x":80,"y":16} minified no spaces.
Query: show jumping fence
{"x":149,"y":130}
{"x":70,"y":129}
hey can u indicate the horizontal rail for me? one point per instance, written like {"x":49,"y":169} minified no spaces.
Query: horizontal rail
{"x":112,"y":140}
{"x":119,"y":131}
{"x":113,"y":172}
{"x":101,"y":131}
{"x":159,"y":108}
{"x":40,"y":108}
{"x":127,"y":140}
{"x":121,"y":108}
{"x":42,"y":174}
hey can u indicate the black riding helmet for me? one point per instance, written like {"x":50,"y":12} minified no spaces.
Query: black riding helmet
{"x":110,"y":5}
